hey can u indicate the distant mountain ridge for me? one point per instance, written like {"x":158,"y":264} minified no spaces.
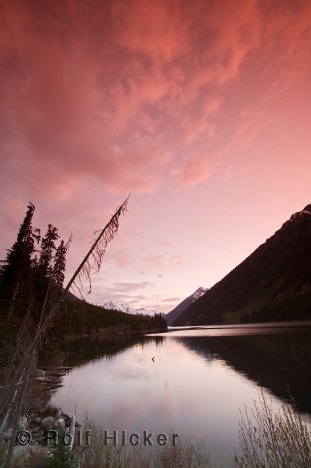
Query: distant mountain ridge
{"x":175,"y":313}
{"x":273,"y":283}
{"x":129,"y":310}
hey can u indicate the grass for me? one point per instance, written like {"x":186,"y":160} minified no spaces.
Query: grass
{"x":273,"y":439}
{"x":2,"y":452}
{"x":107,"y":456}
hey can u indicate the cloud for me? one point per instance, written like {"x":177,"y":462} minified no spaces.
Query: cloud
{"x":135,"y":299}
{"x":162,"y":261}
{"x":121,"y":292}
{"x":193,"y":170}
{"x":117,"y":93}
{"x":122,"y":257}
{"x":171,"y":299}
{"x":128,"y":287}
{"x":154,"y":261}
{"x":176,"y":260}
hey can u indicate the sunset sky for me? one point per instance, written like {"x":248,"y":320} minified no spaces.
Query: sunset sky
{"x":201,"y":109}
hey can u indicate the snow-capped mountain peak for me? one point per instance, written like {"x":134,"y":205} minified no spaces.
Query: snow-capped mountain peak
{"x":198,"y":293}
{"x":128,"y":309}
{"x":301,"y":214}
{"x":120,"y":307}
{"x":173,"y":314}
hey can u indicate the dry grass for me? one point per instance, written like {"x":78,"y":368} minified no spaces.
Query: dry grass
{"x":270,"y":439}
{"x":107,"y":456}
{"x":180,"y":456}
{"x":2,"y":452}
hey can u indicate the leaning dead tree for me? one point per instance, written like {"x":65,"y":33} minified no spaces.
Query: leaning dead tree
{"x":23,"y":361}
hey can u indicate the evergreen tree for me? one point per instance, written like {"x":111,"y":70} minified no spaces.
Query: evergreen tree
{"x":60,"y":264}
{"x":44,"y":270}
{"x":15,"y":272}
{"x":47,"y":251}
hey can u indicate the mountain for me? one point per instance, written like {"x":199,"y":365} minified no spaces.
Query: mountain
{"x":273,"y":283}
{"x":175,"y":313}
{"x":130,"y":310}
{"x":120,"y":307}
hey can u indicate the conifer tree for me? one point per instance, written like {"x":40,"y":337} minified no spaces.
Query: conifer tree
{"x":15,"y":272}
{"x":60,"y":264}
{"x":48,"y":248}
{"x":44,"y":269}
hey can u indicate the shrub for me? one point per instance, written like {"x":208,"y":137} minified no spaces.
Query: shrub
{"x":271,"y":439}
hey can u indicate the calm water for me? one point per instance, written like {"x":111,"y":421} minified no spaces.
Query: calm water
{"x":199,"y":380}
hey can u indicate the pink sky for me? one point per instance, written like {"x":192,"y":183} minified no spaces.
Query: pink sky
{"x":201,"y":109}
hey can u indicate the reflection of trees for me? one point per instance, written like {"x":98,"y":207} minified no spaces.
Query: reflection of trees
{"x":158,"y":340}
{"x":80,"y":351}
{"x":280,"y":363}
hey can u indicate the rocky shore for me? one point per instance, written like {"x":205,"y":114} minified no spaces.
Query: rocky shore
{"x":40,"y":417}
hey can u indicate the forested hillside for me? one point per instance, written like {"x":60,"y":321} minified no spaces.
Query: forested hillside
{"x":31,"y":281}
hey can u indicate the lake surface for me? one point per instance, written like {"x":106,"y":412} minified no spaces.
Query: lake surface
{"x":198,"y":382}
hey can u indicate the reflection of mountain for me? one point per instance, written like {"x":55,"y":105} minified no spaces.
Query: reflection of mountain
{"x":280,"y":363}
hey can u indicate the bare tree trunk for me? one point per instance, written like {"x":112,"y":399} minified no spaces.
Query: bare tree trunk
{"x":12,"y":303}
{"x":21,"y":397}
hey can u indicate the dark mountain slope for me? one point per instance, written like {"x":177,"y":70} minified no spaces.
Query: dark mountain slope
{"x":273,"y":283}
{"x":173,"y":314}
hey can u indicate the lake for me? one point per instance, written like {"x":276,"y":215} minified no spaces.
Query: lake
{"x":196,"y":384}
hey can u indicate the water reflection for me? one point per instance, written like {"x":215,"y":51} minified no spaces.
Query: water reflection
{"x":196,"y":385}
{"x":81,"y":351}
{"x":278,"y":359}
{"x":278,"y":362}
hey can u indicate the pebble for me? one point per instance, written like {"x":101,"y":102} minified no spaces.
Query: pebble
{"x":48,"y":422}
{"x":8,"y":434}
{"x":60,"y":424}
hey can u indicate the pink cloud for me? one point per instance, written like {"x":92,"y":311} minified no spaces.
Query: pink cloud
{"x":107,"y":92}
{"x":122,"y":257}
{"x":193,"y":170}
{"x":154,"y":261}
{"x":176,"y":260}
{"x":172,"y":299}
{"x":160,"y":261}
{"x":151,"y":29}
{"x":130,"y":286}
